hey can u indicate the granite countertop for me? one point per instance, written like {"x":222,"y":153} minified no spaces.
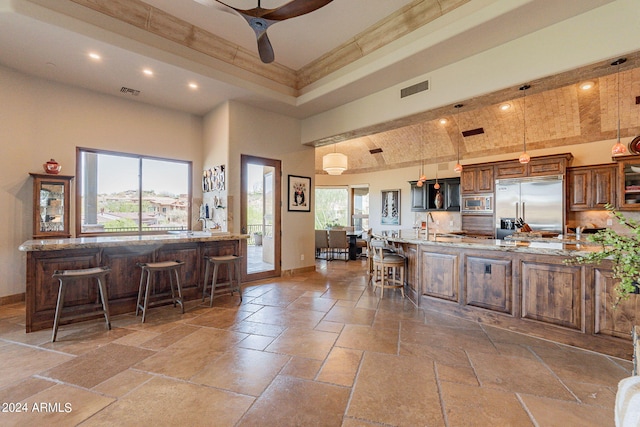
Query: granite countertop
{"x":112,"y":241}
{"x":547,"y":247}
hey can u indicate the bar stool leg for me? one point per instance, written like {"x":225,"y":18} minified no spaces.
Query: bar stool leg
{"x":140,"y":291}
{"x":214,"y":281}
{"x":236,"y":270}
{"x":179,"y":288}
{"x":105,"y":302}
{"x":206,"y":279}
{"x":146,"y":296}
{"x":56,"y":319}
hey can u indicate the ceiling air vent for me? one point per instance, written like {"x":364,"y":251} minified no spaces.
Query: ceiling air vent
{"x":375,"y":150}
{"x":413,"y":89}
{"x":472,"y":132}
{"x":129,"y":91}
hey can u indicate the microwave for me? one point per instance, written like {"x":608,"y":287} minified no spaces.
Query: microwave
{"x":477,"y":203}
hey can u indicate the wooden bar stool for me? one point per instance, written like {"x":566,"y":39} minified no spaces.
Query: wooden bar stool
{"x":173,"y":267}
{"x":66,"y":276}
{"x":232,"y":262}
{"x":388,"y":269}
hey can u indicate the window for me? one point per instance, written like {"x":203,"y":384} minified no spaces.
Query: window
{"x":131,"y":194}
{"x":331,"y":207}
{"x":360,"y":207}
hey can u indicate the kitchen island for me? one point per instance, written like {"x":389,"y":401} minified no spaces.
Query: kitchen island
{"x":121,"y":253}
{"x":524,"y":286}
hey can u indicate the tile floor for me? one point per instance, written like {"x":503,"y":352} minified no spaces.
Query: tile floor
{"x":318,"y":349}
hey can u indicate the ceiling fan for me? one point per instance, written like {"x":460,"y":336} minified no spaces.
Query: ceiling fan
{"x":261,"y":19}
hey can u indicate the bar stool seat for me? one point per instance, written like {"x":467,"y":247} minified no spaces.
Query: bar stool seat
{"x":233,"y":263}
{"x":173,"y":268}
{"x":65,"y":276}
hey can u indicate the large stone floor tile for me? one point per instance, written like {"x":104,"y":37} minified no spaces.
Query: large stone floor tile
{"x":369,"y":339}
{"x":396,"y":390}
{"x":92,"y":368}
{"x":168,"y":402}
{"x":517,"y":375}
{"x":295,"y":402}
{"x":18,"y":362}
{"x":186,"y":357}
{"x":555,"y":413}
{"x":310,"y":344}
{"x":242,"y":370}
{"x":341,"y":367}
{"x":473,"y":406}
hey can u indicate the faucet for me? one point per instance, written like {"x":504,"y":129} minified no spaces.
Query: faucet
{"x":579,"y":232}
{"x":427,"y":223}
{"x":204,"y":223}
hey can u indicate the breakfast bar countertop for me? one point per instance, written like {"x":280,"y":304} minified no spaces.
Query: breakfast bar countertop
{"x":114,"y":241}
{"x":547,"y":246}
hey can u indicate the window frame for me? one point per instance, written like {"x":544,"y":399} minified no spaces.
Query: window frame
{"x":139,"y":157}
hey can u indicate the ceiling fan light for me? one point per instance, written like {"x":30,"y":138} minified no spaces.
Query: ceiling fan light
{"x":334,"y":163}
{"x":524,"y":158}
{"x":618,"y":149}
{"x":457,"y":168}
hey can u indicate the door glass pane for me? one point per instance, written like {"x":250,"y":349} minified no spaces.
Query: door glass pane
{"x":260,"y":218}
{"x":51,"y":207}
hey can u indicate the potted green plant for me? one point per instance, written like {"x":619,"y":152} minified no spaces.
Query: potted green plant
{"x":257,"y":238}
{"x":622,"y":249}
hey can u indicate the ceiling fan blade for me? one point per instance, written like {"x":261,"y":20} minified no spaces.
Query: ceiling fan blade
{"x":294,"y":8}
{"x":265,"y":49}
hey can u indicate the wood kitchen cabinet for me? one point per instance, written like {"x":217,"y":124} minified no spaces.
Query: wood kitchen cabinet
{"x":477,"y":179}
{"x":424,"y":198}
{"x":538,"y":166}
{"x":51,"y":202}
{"x":591,"y":188}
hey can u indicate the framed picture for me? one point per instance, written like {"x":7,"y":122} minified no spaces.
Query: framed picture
{"x":299,"y":193}
{"x":390,"y":207}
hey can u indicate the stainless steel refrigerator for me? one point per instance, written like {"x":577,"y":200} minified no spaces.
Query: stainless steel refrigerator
{"x":539,"y":202}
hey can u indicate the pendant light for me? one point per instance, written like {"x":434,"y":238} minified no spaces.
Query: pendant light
{"x":524,"y":157}
{"x":458,"y":167}
{"x":618,"y":149}
{"x":334,"y":163}
{"x":437,"y":184}
{"x":423,"y":177}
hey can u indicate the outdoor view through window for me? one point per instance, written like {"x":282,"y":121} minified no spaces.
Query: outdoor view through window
{"x":126,"y":193}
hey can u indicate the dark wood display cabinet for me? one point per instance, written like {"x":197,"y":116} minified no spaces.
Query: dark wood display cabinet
{"x":426,"y":198}
{"x":51,"y":202}
{"x":629,"y":183}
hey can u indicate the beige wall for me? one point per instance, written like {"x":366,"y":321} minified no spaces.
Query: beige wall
{"x":260,"y":133}
{"x":40,"y":120}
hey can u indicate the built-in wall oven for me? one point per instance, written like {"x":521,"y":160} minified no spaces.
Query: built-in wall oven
{"x":477,"y":203}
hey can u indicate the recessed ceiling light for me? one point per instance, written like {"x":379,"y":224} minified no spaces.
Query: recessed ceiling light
{"x":193,"y":85}
{"x":505,"y":106}
{"x":148,"y":72}
{"x":443,"y":121}
{"x":586,"y":85}
{"x":94,"y":56}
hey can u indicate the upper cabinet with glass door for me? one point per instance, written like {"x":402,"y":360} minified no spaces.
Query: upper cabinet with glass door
{"x":51,"y":196}
{"x":629,"y":183}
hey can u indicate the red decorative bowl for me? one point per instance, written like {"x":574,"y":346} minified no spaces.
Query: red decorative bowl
{"x":52,"y":167}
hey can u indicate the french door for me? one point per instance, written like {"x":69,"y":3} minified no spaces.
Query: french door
{"x":260,"y":211}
